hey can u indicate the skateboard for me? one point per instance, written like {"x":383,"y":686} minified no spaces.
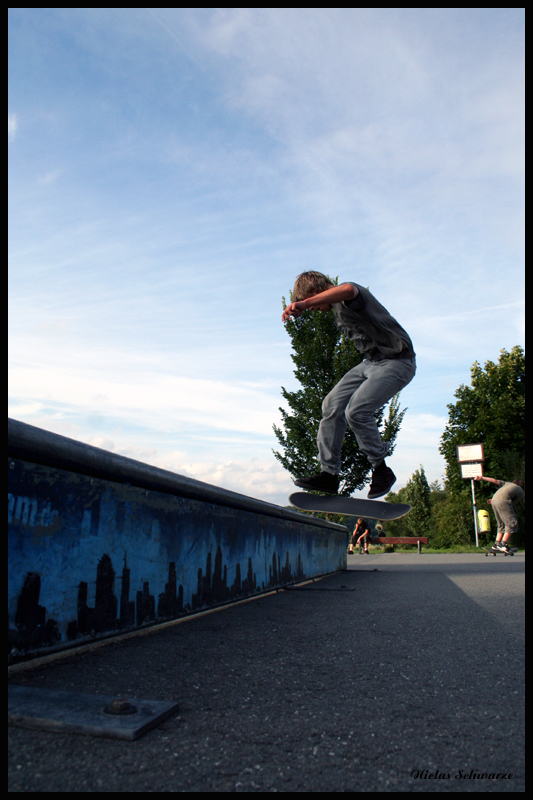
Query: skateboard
{"x":491,"y":552}
{"x":350,"y":506}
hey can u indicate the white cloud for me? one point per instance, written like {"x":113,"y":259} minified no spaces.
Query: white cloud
{"x":140,"y":397}
{"x":381,"y":115}
{"x":49,"y":178}
{"x":261,"y":478}
{"x":12,"y":125}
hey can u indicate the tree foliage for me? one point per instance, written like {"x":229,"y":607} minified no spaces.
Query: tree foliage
{"x":453,"y":522}
{"x":490,"y":411}
{"x":417,"y":493}
{"x":322,"y":356}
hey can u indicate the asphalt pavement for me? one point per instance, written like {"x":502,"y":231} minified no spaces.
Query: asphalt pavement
{"x":402,"y":674}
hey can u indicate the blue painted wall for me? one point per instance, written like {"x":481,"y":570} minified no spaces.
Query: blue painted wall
{"x":88,"y":555}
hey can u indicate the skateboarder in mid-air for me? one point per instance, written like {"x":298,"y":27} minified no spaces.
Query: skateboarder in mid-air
{"x":503,"y":506}
{"x":389,"y":365}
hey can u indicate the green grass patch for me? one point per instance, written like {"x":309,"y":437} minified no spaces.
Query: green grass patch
{"x":401,"y":548}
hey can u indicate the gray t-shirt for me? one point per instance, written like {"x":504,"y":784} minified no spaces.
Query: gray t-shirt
{"x":375,"y":333}
{"x":508,"y":493}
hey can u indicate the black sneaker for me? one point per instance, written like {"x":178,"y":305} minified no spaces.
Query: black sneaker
{"x":382,"y":480}
{"x":321,"y":482}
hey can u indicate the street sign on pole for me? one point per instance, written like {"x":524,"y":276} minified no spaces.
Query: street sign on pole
{"x":470,"y":457}
{"x":470,"y":452}
{"x":471,"y":470}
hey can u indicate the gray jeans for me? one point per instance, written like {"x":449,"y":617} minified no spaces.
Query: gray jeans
{"x":353,"y":402}
{"x":505,"y":516}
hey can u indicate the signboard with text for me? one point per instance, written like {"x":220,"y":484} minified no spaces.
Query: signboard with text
{"x":470,"y":452}
{"x":471,"y":470}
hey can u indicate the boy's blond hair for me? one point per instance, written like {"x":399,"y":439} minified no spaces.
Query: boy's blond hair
{"x":310,"y":283}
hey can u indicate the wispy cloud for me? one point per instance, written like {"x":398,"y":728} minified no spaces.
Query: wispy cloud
{"x":140,"y":397}
{"x":12,"y":125}
{"x":391,"y":134}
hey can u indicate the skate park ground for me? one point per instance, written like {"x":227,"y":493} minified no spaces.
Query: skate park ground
{"x":402,"y":673}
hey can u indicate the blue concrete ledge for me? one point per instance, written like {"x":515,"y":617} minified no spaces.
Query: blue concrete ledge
{"x":99,"y":543}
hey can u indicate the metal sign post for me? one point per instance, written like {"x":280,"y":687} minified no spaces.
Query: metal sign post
{"x":470,"y":457}
{"x":475,"y":511}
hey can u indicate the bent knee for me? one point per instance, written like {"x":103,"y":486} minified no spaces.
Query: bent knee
{"x":359,"y":413}
{"x":332,"y":406}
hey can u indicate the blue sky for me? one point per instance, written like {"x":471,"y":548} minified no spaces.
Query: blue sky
{"x":173,"y":170}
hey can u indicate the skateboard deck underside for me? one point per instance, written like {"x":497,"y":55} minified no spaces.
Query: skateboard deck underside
{"x":350,"y":506}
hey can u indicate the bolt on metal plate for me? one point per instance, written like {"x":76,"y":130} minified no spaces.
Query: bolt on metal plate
{"x":120,"y":706}
{"x":89,"y":714}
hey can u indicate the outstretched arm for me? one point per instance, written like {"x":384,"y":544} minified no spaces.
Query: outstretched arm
{"x":486,"y":478}
{"x":337,"y":294}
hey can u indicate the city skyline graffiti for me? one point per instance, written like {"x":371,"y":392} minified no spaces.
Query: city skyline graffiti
{"x":113,"y":612}
{"x":90,"y":556}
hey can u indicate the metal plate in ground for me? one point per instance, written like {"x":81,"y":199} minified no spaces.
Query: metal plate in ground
{"x":75,"y":712}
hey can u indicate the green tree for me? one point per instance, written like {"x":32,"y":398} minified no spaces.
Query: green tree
{"x":437,"y":495}
{"x":322,"y":355}
{"x":490,"y":411}
{"x":453,"y":522}
{"x":417,"y":493}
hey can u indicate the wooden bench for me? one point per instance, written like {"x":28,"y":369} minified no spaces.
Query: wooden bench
{"x":419,"y":540}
